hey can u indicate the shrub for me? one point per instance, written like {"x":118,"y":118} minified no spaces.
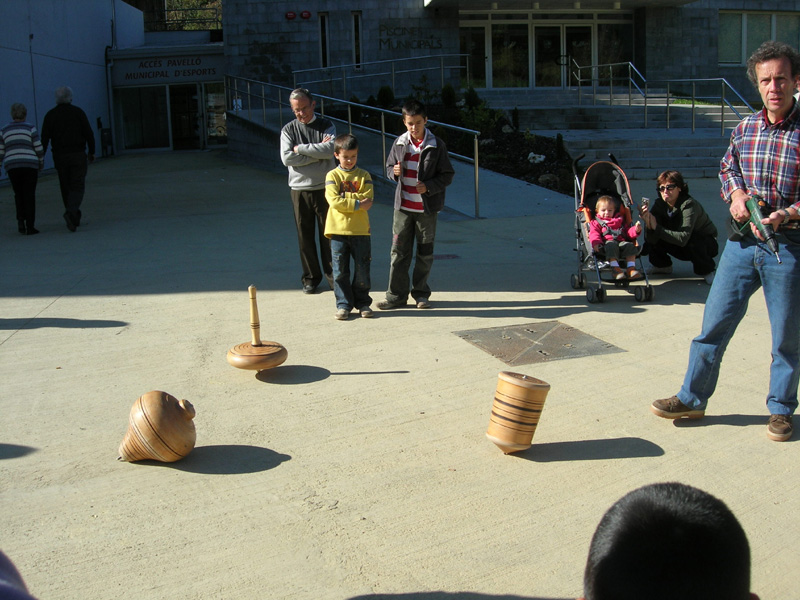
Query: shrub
{"x":471,"y":98}
{"x":385,"y":97}
{"x":448,"y":96}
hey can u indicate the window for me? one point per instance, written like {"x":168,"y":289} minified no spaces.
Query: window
{"x":730,"y":38}
{"x":741,"y":33}
{"x":357,"y":39}
{"x":324,"y":49}
{"x":788,"y":30}
{"x":759,"y":30}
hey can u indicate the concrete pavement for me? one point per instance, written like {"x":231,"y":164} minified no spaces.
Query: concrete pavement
{"x":359,"y":468}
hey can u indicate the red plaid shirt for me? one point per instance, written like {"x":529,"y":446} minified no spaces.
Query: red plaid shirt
{"x":764,"y":159}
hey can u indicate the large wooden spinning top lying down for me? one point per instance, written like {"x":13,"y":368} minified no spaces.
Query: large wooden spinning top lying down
{"x":160,"y":428}
{"x":255,"y":354}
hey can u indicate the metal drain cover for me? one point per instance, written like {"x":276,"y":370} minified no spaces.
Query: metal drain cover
{"x":536,"y":342}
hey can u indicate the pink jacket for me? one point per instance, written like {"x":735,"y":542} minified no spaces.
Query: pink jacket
{"x":612,"y":229}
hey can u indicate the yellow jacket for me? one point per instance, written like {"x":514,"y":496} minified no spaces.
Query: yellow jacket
{"x":343,"y":190}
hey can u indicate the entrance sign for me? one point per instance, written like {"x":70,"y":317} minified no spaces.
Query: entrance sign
{"x":168,"y":69}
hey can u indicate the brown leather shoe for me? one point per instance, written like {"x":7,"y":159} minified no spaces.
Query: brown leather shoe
{"x":672,"y":408}
{"x":779,"y":428}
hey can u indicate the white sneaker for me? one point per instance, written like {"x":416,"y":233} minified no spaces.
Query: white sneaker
{"x":342,"y":314}
{"x":651,"y":270}
{"x":366,"y":312}
{"x":709,"y":278}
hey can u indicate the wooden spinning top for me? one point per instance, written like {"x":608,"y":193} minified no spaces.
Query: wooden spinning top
{"x":161,"y":428}
{"x":517,"y":408}
{"x":255,"y":354}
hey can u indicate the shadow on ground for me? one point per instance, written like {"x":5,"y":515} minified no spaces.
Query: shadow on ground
{"x":225,"y":459}
{"x":606,"y":449}
{"x":447,"y":596}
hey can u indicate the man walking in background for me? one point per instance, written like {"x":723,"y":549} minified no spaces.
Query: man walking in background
{"x":67,"y":127}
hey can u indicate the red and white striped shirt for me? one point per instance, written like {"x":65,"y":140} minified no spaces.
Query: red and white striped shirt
{"x":410,"y":199}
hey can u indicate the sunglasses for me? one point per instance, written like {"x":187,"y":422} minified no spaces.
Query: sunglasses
{"x":666,"y":188}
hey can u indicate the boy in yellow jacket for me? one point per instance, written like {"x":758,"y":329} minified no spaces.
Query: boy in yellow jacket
{"x":349,"y":193}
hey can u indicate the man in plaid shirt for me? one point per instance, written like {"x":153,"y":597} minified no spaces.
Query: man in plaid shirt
{"x":762,"y":159}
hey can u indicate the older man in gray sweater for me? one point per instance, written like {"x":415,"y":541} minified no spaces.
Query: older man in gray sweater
{"x":307,"y":151}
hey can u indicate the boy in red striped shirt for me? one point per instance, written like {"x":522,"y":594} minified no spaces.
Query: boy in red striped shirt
{"x":419,"y":163}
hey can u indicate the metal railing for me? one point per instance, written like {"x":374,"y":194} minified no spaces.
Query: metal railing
{"x":629,"y":77}
{"x":714,"y":91}
{"x":694,"y":97}
{"x":402,"y":74}
{"x":269,"y":104}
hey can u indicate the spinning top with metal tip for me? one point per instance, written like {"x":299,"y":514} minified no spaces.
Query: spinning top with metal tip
{"x":255,"y":354}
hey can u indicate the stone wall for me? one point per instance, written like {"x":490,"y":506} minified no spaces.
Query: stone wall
{"x":254,"y":144}
{"x":682,"y":43}
{"x":263,"y":44}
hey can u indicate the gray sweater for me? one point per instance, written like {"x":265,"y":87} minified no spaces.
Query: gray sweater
{"x":313,"y":159}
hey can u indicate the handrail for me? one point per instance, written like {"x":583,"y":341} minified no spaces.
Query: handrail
{"x":249,"y":96}
{"x":351,"y":71}
{"x":630,"y":80}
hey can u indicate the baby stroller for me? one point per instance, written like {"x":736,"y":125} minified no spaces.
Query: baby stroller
{"x":602,"y":178}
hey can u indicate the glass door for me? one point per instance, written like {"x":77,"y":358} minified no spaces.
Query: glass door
{"x":472,"y":42}
{"x":578,"y":50}
{"x":510,"y":56}
{"x":216,"y":125}
{"x":142,"y":117}
{"x":556,"y":46}
{"x":185,"y":116}
{"x":547,"y":53}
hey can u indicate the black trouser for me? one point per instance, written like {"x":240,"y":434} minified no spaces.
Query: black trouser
{"x":72,"y":167}
{"x":23,"y":181}
{"x":700,"y":250}
{"x":310,"y":212}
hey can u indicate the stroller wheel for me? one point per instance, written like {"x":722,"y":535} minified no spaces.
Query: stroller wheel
{"x":648,"y":293}
{"x":640,"y":294}
{"x":577,"y":281}
{"x":594,"y":295}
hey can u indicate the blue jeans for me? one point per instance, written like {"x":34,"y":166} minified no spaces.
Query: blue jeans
{"x":406,"y":228}
{"x":744,"y":267}
{"x":349,"y":294}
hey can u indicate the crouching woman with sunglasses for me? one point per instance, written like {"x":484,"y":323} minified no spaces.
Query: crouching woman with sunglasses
{"x":676,"y":225}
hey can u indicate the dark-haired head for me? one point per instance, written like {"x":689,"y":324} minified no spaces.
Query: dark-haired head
{"x":771,"y":50}
{"x":345,"y":141}
{"x":668,"y":541}
{"x":667,"y":177}
{"x":414,"y":107}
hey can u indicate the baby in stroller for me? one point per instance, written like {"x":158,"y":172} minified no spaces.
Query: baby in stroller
{"x":611,"y":236}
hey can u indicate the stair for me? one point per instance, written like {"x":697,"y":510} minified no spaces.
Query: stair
{"x":637,"y":136}
{"x":694,"y":155}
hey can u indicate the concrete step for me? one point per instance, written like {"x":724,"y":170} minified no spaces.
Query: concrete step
{"x":619,"y":117}
{"x":645,"y":153}
{"x":689,"y":173}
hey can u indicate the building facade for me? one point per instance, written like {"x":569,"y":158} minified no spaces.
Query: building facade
{"x":147,"y":90}
{"x":140,"y":89}
{"x":504,"y":44}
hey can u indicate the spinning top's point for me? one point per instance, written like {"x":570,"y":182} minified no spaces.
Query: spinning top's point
{"x":255,"y":354}
{"x":161,"y":428}
{"x":518,"y":403}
